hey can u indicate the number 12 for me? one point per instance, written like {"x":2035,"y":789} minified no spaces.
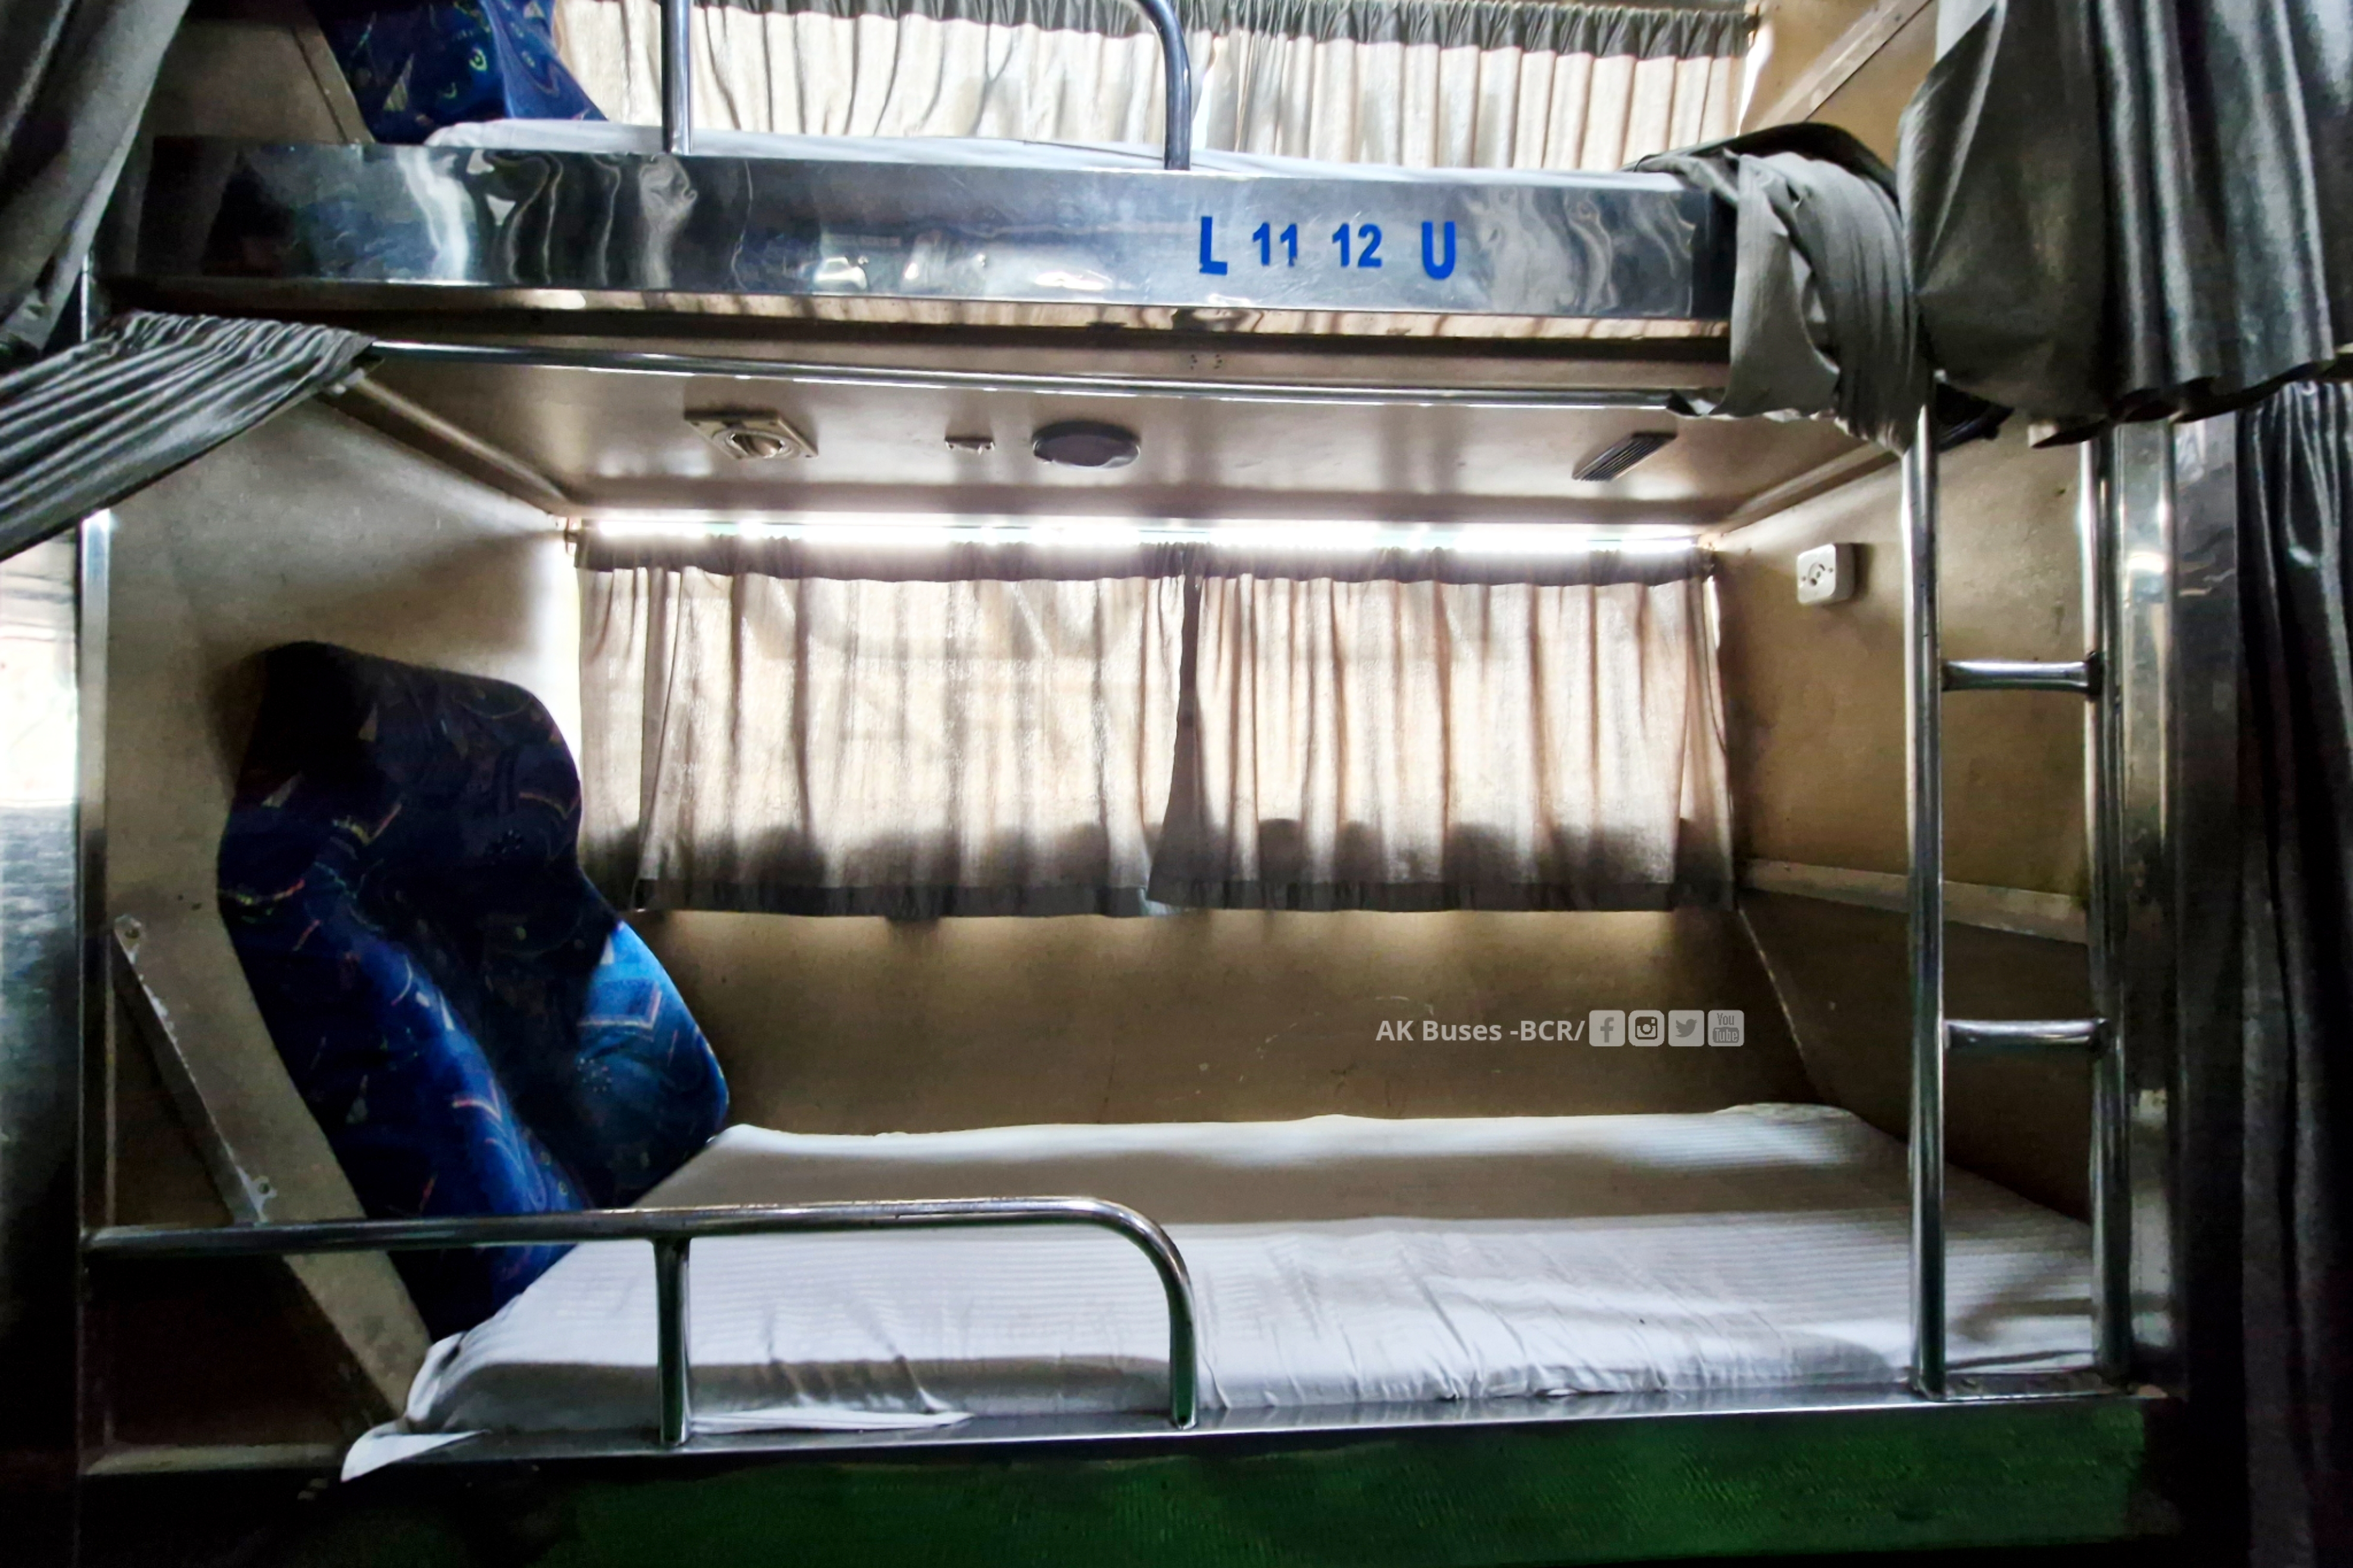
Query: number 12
{"x":1266,"y":236}
{"x":1370,"y":233}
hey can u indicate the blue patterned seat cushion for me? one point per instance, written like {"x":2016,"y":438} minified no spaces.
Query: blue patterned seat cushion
{"x":416,"y":67}
{"x":475,"y":1029}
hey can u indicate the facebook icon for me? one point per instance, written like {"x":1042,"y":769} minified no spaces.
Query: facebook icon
{"x":1606,"y":1027}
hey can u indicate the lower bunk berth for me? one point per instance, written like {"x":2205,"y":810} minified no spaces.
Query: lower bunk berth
{"x":1337,"y":1262}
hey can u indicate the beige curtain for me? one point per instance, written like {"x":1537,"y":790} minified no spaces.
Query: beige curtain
{"x":1002,"y":729}
{"x":1404,"y":745}
{"x":809,"y":745}
{"x":1422,"y":83}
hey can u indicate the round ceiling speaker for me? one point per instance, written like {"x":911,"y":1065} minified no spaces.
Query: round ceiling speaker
{"x":1086,"y":444}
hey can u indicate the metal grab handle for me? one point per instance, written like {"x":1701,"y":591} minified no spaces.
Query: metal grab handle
{"x":1177,"y":70}
{"x":1176,"y":62}
{"x":671,"y":1231}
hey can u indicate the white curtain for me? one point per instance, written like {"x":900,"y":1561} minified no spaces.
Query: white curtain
{"x":811,"y":745}
{"x":1002,"y":729}
{"x":1424,"y":83}
{"x":1400,"y":745}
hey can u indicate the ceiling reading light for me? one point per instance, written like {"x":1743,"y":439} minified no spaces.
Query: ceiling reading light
{"x":751,"y":434}
{"x":1615,"y":460}
{"x":1086,"y":444}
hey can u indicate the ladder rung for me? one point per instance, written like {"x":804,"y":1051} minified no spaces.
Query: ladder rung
{"x":2022,"y":1035}
{"x":2017,"y":675}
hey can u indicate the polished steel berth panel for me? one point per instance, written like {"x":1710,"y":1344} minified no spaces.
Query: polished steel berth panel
{"x":1601,"y":245}
{"x":603,"y":431}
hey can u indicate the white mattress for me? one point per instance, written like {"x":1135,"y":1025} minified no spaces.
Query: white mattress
{"x":968,"y":151}
{"x":1339,"y":1261}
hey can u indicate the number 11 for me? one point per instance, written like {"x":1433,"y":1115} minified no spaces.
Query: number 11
{"x":1266,"y":236}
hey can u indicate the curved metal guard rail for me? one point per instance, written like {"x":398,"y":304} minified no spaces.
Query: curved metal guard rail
{"x":1176,"y":60}
{"x":671,"y":1231}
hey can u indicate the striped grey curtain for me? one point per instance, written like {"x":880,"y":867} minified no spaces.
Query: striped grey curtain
{"x":1422,"y":83}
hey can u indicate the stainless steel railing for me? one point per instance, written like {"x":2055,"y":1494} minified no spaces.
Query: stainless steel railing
{"x":1175,"y":61}
{"x":1935,"y":1037}
{"x":654,"y":361}
{"x":672,"y":1232}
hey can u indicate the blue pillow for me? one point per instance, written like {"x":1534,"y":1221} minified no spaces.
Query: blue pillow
{"x":471,"y":1024}
{"x":420,"y":66}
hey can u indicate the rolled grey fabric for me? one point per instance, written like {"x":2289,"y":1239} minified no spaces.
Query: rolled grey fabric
{"x":83,"y":428}
{"x":1822,"y":320}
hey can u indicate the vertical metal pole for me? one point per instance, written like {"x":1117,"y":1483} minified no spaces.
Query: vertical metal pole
{"x":93,"y":598}
{"x":2111,"y":1190}
{"x":1925,"y":823}
{"x":670,"y":1326}
{"x":678,"y":75}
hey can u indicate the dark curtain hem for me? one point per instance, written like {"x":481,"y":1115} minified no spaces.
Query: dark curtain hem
{"x":1676,"y":29}
{"x":1412,"y":898}
{"x":928,"y":902}
{"x":921,"y":902}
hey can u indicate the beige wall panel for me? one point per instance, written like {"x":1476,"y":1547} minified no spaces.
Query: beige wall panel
{"x":1790,"y":35}
{"x":1872,"y":102}
{"x":1814,"y":696}
{"x":869,"y":1025}
{"x":2023,"y":1121}
{"x":255,"y":69}
{"x":312,"y":526}
{"x":1795,"y":38}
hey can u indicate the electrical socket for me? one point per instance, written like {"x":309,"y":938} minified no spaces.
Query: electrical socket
{"x":1826,"y":574}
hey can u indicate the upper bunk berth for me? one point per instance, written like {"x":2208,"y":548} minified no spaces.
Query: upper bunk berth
{"x":558,"y":216}
{"x":1057,"y":227}
{"x":562,"y":306}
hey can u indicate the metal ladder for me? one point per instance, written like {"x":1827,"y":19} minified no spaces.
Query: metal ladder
{"x":1935,"y":1037}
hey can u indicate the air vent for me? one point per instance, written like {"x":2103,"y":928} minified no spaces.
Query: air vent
{"x":752,"y":434}
{"x":1614,"y":460}
{"x":1086,"y":444}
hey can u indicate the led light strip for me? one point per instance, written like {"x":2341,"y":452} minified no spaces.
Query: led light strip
{"x":931,"y":530}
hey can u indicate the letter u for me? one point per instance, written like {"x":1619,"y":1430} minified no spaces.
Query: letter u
{"x":1430,"y":263}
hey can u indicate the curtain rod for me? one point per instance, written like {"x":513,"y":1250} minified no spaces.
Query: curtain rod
{"x":646,"y":362}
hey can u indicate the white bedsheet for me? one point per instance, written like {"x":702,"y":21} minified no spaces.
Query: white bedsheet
{"x":1338,"y":1260}
{"x":970,"y":152}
